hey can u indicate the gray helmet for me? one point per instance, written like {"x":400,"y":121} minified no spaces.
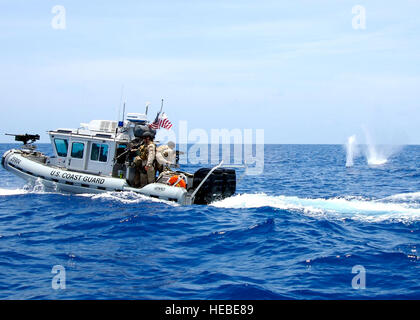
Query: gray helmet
{"x":139,"y":130}
{"x":147,"y":134}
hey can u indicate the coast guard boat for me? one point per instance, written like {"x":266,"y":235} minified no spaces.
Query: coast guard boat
{"x":95,"y":158}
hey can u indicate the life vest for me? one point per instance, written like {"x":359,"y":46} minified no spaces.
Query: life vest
{"x":177,"y":181}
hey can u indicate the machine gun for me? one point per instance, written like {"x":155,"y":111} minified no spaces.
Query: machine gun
{"x":25,"y":138}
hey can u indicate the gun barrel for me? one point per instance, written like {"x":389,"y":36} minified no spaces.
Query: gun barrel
{"x":25,"y":138}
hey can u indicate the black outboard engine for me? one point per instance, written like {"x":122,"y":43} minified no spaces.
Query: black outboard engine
{"x":220,"y":184}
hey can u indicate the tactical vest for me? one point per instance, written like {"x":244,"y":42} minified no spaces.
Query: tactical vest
{"x":144,"y":151}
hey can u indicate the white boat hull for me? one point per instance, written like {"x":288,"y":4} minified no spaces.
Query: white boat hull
{"x":58,"y":179}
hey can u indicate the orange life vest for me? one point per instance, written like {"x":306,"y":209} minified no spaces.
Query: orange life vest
{"x":181,"y":182}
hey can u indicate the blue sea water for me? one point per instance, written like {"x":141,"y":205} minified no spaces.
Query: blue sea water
{"x":294,"y":232}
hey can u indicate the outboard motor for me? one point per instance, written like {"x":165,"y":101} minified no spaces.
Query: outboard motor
{"x":219,"y":185}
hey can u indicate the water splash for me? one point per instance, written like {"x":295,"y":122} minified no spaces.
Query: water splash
{"x":378,"y":155}
{"x":351,"y":151}
{"x":374,"y":156}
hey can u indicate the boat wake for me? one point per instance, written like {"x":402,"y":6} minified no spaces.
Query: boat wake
{"x":413,"y":198}
{"x":36,"y":187}
{"x":337,"y":208}
{"x":403,"y":207}
{"x":123,"y":197}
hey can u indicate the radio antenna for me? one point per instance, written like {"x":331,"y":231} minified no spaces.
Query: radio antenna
{"x":161,"y":107}
{"x":121,"y":101}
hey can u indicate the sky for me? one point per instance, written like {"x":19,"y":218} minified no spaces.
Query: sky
{"x":300,"y":70}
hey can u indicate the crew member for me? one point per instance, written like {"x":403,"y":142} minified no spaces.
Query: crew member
{"x":133,"y":153}
{"x":147,"y":154}
{"x":165,"y":156}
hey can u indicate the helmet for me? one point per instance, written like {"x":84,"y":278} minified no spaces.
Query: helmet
{"x":147,"y":134}
{"x":139,"y":130}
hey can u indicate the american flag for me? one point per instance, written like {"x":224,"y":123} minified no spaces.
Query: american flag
{"x":155,"y":124}
{"x":161,"y":121}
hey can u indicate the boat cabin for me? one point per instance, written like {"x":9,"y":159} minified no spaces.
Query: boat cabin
{"x":90,"y":149}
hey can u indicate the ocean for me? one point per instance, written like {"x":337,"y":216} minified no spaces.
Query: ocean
{"x":307,"y":228}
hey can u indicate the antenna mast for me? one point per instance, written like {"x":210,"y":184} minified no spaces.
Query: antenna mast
{"x":123,"y":111}
{"x":147,"y":108}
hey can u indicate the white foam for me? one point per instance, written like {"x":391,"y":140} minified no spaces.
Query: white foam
{"x":33,"y":187}
{"x":340,"y":208}
{"x":410,"y":196}
{"x":377,"y":161}
{"x":11,"y":192}
{"x":125,"y":197}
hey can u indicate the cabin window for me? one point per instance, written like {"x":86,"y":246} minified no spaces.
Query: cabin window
{"x":99,"y":152}
{"x":120,"y":150}
{"x":103,"y":154}
{"x":61,"y":145}
{"x":77,"y":149}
